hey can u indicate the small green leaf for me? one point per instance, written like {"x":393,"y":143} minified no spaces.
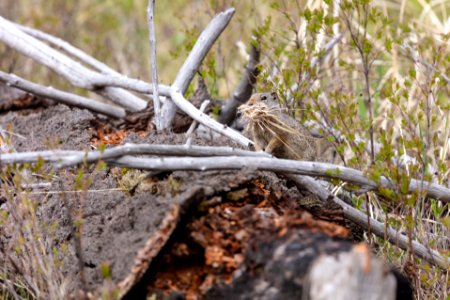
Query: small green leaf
{"x":307,"y":14}
{"x":105,"y":270}
{"x":101,"y":147}
{"x":79,"y":180}
{"x":101,"y":165}
{"x":446,"y":222}
{"x":388,"y":44}
{"x":38,"y":165}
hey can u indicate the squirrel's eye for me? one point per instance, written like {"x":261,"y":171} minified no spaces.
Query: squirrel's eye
{"x":263,"y":97}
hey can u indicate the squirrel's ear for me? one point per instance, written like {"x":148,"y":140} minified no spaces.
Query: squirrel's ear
{"x":273,"y":94}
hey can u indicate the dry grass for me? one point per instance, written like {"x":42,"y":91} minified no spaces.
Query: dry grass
{"x":266,"y":117}
{"x":35,"y":271}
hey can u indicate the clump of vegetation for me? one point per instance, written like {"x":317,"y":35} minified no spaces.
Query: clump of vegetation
{"x":371,"y":74}
{"x":382,"y":92}
{"x":36,"y":270}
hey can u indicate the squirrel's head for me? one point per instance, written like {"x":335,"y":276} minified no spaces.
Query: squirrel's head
{"x":262,"y":97}
{"x":259,"y":105}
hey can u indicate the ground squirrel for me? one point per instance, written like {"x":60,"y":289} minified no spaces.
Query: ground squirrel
{"x":275,"y":132}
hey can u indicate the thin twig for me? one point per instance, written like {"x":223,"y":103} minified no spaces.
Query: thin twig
{"x":411,"y":54}
{"x":194,"y":124}
{"x":154,"y":71}
{"x":360,"y":45}
{"x":193,"y":112}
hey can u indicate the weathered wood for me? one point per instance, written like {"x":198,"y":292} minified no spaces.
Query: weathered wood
{"x":73,"y":71}
{"x":245,"y":87}
{"x":192,"y":63}
{"x":62,"y":97}
{"x":321,"y":169}
{"x":154,"y":69}
{"x":67,"y":158}
{"x":194,"y":124}
{"x":357,"y":274}
{"x":206,"y":120}
{"x":379,"y":229}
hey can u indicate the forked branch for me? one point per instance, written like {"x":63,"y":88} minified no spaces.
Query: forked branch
{"x":192,"y":63}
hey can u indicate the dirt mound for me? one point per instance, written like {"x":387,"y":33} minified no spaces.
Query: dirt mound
{"x":56,"y":127}
{"x":219,"y":242}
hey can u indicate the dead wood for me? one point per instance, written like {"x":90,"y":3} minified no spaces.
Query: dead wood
{"x":192,"y":63}
{"x":261,"y":163}
{"x":379,"y":229}
{"x":154,"y":69}
{"x":245,"y":87}
{"x":206,"y":120}
{"x":356,"y":274}
{"x":62,"y":97}
{"x":73,"y":71}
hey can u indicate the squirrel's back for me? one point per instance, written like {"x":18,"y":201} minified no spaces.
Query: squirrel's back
{"x":273,"y":130}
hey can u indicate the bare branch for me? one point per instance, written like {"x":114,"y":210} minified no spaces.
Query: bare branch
{"x":245,"y":87}
{"x":68,"y":48}
{"x":152,"y":38}
{"x":116,"y":79}
{"x":263,"y":162}
{"x":115,"y":156}
{"x":73,"y":71}
{"x":131,"y":84}
{"x":192,"y":63}
{"x":320,"y":169}
{"x":206,"y":120}
{"x":63,"y":97}
{"x":66,"y":158}
{"x":195,"y":123}
{"x":32,"y":157}
{"x":394,"y":237}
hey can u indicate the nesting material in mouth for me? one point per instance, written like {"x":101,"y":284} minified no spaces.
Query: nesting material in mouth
{"x":269,"y":118}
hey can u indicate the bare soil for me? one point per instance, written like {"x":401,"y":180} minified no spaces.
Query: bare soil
{"x":227,"y":238}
